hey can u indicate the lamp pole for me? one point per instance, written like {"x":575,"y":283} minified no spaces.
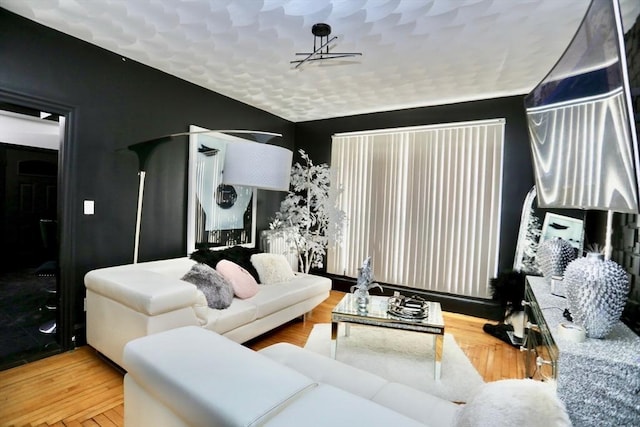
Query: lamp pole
{"x":136,"y":245}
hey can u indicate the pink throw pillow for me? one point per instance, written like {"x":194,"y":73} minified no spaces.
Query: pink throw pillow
{"x":243,"y":283}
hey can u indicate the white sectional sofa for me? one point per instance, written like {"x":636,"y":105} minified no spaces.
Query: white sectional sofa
{"x":191,"y":377}
{"x":131,"y":301}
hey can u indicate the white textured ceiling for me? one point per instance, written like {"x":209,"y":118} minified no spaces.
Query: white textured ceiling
{"x":415,"y":52}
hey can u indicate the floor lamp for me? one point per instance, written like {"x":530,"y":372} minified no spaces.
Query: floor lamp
{"x":252,"y":164}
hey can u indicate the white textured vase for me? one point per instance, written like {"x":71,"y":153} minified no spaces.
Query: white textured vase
{"x":596,"y":291}
{"x":553,"y":256}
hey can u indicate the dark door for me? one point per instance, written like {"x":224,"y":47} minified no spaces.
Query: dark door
{"x":28,"y":254}
{"x":30,"y":176}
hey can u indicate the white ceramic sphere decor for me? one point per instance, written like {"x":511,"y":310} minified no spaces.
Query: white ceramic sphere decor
{"x":596,"y":291}
{"x":552,"y":257}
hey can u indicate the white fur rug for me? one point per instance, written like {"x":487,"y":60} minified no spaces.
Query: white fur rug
{"x":401,"y":356}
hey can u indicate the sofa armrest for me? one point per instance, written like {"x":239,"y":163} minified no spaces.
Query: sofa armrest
{"x":144,"y":291}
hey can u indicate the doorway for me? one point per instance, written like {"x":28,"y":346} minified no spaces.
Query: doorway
{"x":29,"y":253}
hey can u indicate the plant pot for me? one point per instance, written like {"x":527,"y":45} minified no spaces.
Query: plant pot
{"x":596,"y":291}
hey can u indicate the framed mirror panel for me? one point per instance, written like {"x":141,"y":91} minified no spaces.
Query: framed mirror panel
{"x":218,"y":215}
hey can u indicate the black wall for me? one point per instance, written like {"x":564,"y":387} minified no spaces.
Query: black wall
{"x":315,"y":138}
{"x":626,"y":229}
{"x":111,"y":102}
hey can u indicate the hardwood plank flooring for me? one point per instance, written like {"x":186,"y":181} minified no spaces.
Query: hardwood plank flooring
{"x":79,"y":388}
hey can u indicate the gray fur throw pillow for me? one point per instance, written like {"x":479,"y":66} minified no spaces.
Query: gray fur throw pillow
{"x":216,"y":289}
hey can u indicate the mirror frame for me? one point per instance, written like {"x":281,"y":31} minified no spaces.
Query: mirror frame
{"x":527,"y":207}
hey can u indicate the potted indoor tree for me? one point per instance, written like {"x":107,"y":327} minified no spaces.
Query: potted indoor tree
{"x":309,"y":217}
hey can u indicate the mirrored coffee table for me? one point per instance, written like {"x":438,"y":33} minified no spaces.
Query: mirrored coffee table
{"x":376,"y":315}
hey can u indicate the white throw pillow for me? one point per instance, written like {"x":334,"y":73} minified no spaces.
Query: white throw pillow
{"x":509,"y":403}
{"x":272,"y":268}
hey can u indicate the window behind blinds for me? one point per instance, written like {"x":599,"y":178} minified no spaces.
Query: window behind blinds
{"x":424,"y":202}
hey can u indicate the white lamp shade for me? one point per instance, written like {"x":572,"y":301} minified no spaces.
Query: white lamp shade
{"x":262,"y":166}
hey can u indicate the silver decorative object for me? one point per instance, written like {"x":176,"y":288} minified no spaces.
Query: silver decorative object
{"x":364,"y":283}
{"x":553,"y":256}
{"x":596,"y":292}
{"x":362,"y":299}
{"x":413,"y":307}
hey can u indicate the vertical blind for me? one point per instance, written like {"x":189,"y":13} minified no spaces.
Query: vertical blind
{"x":423,"y":202}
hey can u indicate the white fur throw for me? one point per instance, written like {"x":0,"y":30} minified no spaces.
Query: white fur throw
{"x":272,"y":268}
{"x":509,"y":403}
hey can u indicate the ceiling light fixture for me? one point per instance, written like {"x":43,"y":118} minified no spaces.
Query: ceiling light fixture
{"x":321,"y":43}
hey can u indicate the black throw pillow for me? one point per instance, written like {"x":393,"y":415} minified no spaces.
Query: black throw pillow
{"x":237,"y":254}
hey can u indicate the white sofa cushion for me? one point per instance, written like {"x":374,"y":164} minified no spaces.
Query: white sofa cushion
{"x":269,"y":300}
{"x":423,"y":407}
{"x":323,"y":369}
{"x":326,"y":405}
{"x":239,"y":313}
{"x":272,"y":298}
{"x":168,"y":294}
{"x":208,"y":379}
{"x":420,"y":406}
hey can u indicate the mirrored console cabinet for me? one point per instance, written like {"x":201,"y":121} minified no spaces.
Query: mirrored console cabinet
{"x":597,"y":379}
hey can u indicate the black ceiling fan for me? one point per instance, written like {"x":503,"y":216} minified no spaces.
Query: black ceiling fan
{"x":321,"y":43}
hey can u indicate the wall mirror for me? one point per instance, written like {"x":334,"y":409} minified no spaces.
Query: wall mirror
{"x":218,"y":215}
{"x":565,"y":227}
{"x":538,"y":224}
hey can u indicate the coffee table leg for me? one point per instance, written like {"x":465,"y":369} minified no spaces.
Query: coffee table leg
{"x":437,"y":362}
{"x":334,"y":339}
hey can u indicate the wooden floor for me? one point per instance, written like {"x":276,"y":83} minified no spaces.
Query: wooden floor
{"x":80,"y":389}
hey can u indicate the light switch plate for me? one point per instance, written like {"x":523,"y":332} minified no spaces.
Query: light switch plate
{"x":89,"y":207}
